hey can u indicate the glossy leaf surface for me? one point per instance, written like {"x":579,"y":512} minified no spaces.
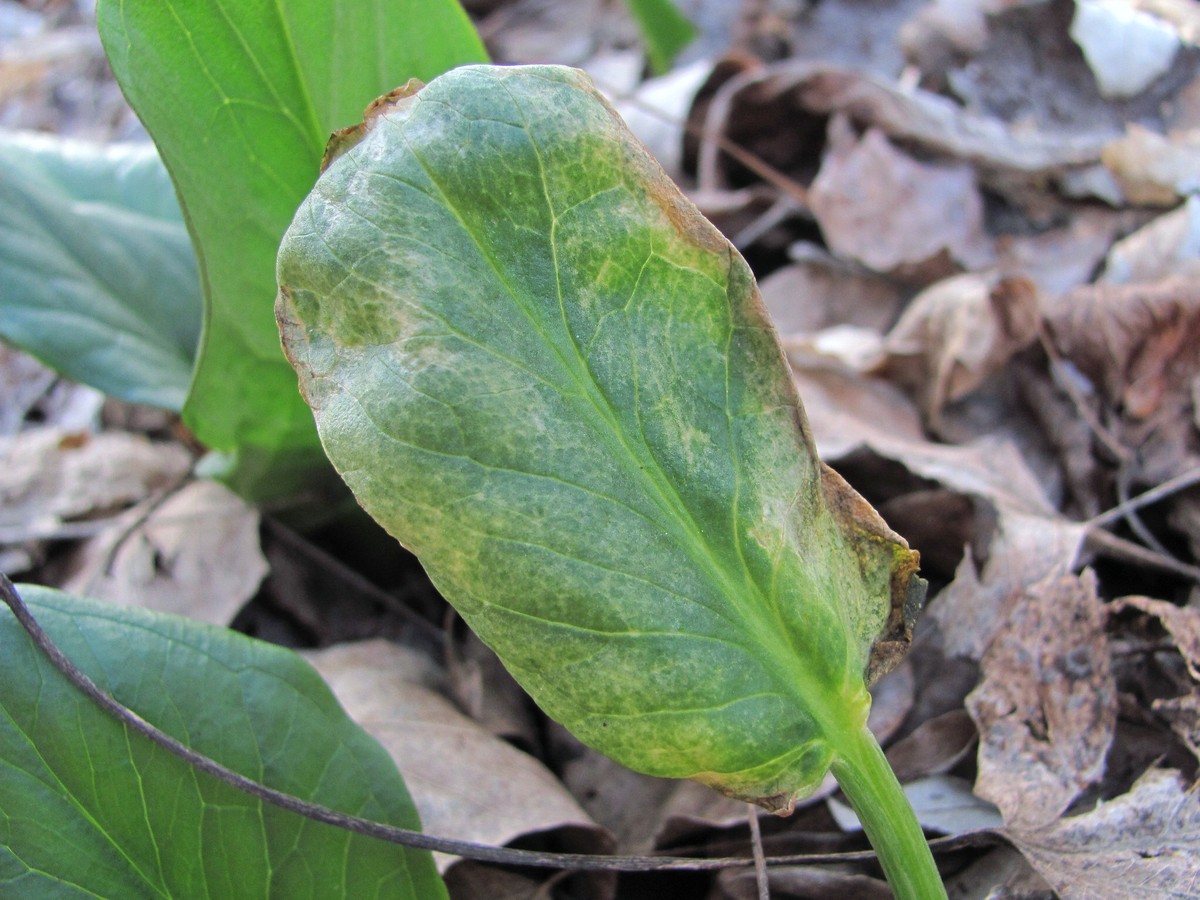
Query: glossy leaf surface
{"x":540,"y":367}
{"x":90,"y":809}
{"x":97,"y":275}
{"x":240,"y":98}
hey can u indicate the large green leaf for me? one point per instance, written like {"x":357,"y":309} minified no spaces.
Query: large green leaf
{"x":97,"y":276}
{"x":240,"y":96}
{"x":90,"y":809}
{"x":540,"y":367}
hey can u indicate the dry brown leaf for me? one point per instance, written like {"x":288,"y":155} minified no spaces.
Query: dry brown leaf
{"x":195,"y":555}
{"x":466,"y":783}
{"x":1139,"y":345}
{"x":934,"y":747}
{"x":818,"y":291}
{"x":1144,"y":844}
{"x":892,"y":213}
{"x":1026,"y":549}
{"x":1058,"y":259}
{"x":49,"y":477}
{"x":957,"y":333}
{"x":1046,"y":707}
{"x":929,"y":120}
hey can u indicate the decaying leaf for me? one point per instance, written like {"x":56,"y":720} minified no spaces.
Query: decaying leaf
{"x":932,"y":209}
{"x":1142,"y":844}
{"x":537,"y":364}
{"x":449,"y":762}
{"x":1139,"y":345}
{"x":196,"y":555}
{"x":957,"y":333}
{"x":1046,"y":708}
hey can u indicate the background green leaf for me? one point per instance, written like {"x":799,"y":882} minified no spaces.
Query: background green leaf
{"x":240,"y":98}
{"x":665,"y":30}
{"x":97,"y":275}
{"x":544,"y":371}
{"x":89,"y":809}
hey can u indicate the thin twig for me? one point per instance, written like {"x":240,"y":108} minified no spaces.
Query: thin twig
{"x":1162,"y":491}
{"x":1108,"y":544}
{"x":760,"y":858}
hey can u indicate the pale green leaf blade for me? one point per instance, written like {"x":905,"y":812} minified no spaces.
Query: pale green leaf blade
{"x":89,"y":809}
{"x":538,"y":366}
{"x":240,"y":99}
{"x":97,"y":275}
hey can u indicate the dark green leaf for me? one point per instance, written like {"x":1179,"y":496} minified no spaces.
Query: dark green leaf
{"x":540,"y":367}
{"x":241,"y":98}
{"x":90,"y":809}
{"x":97,"y":276}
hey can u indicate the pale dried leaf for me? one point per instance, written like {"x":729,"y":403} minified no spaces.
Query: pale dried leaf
{"x":1153,"y":169}
{"x":197,"y":555}
{"x":466,"y":783}
{"x":819,"y":291}
{"x":1126,"y":48}
{"x":1046,"y":707}
{"x":890,"y":212}
{"x":49,"y":476}
{"x":1166,"y":247}
{"x":1143,"y":844}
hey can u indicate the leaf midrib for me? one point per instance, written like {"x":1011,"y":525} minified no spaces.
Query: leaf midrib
{"x":642,"y":465}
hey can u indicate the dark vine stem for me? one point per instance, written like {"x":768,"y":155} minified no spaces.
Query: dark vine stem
{"x":414,"y":839}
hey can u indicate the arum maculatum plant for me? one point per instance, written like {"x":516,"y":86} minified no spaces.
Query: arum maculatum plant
{"x":543,"y":371}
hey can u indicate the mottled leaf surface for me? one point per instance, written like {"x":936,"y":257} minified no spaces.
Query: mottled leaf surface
{"x":89,"y":809}
{"x":537,"y":365}
{"x":240,"y":98}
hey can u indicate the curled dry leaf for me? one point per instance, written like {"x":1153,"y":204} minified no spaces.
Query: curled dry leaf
{"x":892,"y":213}
{"x":1139,"y":344}
{"x":957,"y":333}
{"x":1046,"y":708}
{"x":817,"y":882}
{"x":451,"y":765}
{"x":1142,"y":844}
{"x":50,"y":476}
{"x":195,"y":555}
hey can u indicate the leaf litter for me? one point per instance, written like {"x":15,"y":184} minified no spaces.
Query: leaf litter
{"x":994,"y":332}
